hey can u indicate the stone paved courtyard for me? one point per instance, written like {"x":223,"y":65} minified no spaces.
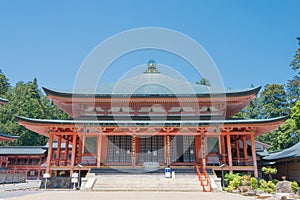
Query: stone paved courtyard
{"x":76,"y":195}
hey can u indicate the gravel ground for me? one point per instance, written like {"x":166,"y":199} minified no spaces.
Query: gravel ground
{"x":77,"y":195}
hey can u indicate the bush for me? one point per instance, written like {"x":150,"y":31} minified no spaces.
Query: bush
{"x":269,"y":171}
{"x":253,"y":183}
{"x":229,"y":177}
{"x":294,"y":186}
{"x":268,"y":187}
{"x":246,"y":180}
{"x":275,"y":181}
{"x":234,"y":181}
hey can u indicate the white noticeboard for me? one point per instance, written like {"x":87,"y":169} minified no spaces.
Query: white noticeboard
{"x":74,"y":180}
{"x":46,"y":175}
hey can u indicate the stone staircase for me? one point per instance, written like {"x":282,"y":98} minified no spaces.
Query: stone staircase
{"x":147,"y":182}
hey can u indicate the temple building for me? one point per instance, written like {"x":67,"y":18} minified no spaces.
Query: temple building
{"x":141,"y":122}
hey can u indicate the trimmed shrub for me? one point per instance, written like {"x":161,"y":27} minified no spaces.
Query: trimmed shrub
{"x":254,"y":183}
{"x":294,"y":186}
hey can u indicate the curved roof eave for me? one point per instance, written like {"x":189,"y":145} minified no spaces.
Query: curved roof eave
{"x":3,"y":100}
{"x":228,"y":93}
{"x":5,"y":135}
{"x":199,"y":122}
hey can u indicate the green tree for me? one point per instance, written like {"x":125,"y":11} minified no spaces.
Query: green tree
{"x":293,"y":90}
{"x":274,"y":101}
{"x":274,"y":104}
{"x":293,"y":85}
{"x":204,"y":82}
{"x":296,"y":114}
{"x":27,"y":100}
{"x":4,"y":85}
{"x":269,"y":171}
{"x":295,"y":64}
{"x":251,"y":111}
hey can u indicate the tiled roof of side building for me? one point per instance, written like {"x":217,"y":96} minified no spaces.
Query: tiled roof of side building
{"x":8,"y":136}
{"x":291,"y":152}
{"x":22,"y":150}
{"x":2,"y":100}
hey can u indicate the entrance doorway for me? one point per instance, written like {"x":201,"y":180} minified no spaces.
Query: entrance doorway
{"x":119,"y":149}
{"x":183,"y":149}
{"x":151,"y":149}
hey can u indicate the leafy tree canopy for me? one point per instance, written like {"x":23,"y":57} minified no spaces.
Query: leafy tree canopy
{"x":204,"y":81}
{"x":26,"y":99}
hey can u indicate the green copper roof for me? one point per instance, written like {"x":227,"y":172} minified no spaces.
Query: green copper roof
{"x":153,"y":83}
{"x":9,"y":136}
{"x":152,"y":89}
{"x":155,"y":122}
{"x":291,"y":152}
{"x":21,"y":150}
{"x":3,"y":100}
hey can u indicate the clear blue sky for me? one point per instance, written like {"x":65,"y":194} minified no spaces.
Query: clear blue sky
{"x":252,"y":42}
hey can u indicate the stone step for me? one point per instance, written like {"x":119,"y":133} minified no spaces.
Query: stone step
{"x":141,"y":182}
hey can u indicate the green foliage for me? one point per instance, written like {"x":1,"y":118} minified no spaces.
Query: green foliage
{"x":254,"y":183}
{"x":4,"y":85}
{"x":293,"y":90}
{"x":246,"y":180}
{"x":295,"y":64}
{"x":25,"y":99}
{"x":269,"y":171}
{"x":296,"y":114}
{"x":229,"y":177}
{"x":204,"y":81}
{"x":275,"y":181}
{"x":251,"y":111}
{"x":274,"y":101}
{"x":232,"y":181}
{"x":268,"y":187}
{"x":274,"y":104}
{"x":294,"y":186}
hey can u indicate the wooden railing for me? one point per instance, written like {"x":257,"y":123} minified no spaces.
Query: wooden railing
{"x":203,"y":178}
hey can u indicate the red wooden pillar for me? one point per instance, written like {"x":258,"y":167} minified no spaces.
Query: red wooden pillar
{"x":104,"y":148}
{"x":206,"y":150}
{"x":80,"y":147}
{"x":67,"y":151}
{"x":245,"y":150}
{"x":223,"y":149}
{"x":137,"y":148}
{"x":58,"y":150}
{"x":219,"y":144}
{"x":49,"y":153}
{"x":99,"y":146}
{"x":133,"y":151}
{"x":165,"y":149}
{"x":168,"y":150}
{"x":39,"y":173}
{"x":253,"y":154}
{"x":229,"y":152}
{"x":198,"y":148}
{"x":237,"y":147}
{"x":74,"y":142}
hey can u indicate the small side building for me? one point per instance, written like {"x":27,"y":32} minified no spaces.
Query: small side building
{"x":25,"y":158}
{"x":287,"y":162}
